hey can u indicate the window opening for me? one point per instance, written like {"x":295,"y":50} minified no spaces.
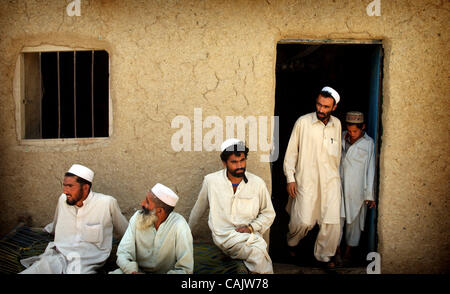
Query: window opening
{"x":66,"y":94}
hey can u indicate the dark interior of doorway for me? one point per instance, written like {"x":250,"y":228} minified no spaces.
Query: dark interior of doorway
{"x":301,"y":71}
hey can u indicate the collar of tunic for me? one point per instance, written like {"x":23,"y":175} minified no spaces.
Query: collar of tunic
{"x":362,"y":138}
{"x":316,"y":120}
{"x":88,"y":199}
{"x":224,"y":173}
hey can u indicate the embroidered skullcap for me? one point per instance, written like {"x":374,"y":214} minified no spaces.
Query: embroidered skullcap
{"x":354,"y":117}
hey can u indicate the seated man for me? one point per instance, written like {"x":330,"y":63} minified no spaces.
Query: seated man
{"x":157,"y":240}
{"x":83,"y":226}
{"x":240,"y":209}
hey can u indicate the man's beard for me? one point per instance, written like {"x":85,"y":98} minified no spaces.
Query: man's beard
{"x":323,"y":116}
{"x":74,"y":199}
{"x":238,"y":173}
{"x":146,"y":218}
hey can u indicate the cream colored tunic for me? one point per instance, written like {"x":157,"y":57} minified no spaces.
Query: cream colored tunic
{"x":83,"y":236}
{"x":312,"y":161}
{"x":166,"y":250}
{"x":357,"y":173}
{"x":251,"y":204}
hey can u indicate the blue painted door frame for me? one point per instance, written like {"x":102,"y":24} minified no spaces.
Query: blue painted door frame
{"x":374,"y":131}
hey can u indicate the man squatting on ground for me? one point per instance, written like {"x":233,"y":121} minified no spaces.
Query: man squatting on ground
{"x":240,"y":209}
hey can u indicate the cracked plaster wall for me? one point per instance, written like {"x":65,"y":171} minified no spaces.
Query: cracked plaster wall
{"x":169,"y":57}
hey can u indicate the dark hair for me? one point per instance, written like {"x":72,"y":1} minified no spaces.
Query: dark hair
{"x":358,"y":125}
{"x":235,"y":149}
{"x":327,"y":94}
{"x":79,"y":180}
{"x":158,"y":203}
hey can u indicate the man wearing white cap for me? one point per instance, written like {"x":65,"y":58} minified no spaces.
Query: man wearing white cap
{"x":84,"y":224}
{"x":157,"y":240}
{"x":311,"y":166}
{"x":240,"y":209}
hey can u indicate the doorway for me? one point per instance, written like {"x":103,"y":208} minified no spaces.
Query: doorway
{"x":303,"y":68}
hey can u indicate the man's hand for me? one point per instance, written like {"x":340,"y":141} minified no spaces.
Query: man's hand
{"x":292,"y":189}
{"x":137,"y":273}
{"x":371,"y":204}
{"x":243,"y":230}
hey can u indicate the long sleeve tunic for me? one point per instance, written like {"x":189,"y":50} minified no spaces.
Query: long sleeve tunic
{"x":312,"y":161}
{"x":84,"y":234}
{"x":357,"y":175}
{"x":250,"y":204}
{"x":168,"y":250}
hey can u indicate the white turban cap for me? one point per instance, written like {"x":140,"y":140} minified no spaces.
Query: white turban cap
{"x":333,"y":93}
{"x":229,"y":143}
{"x":165,"y":194}
{"x":82,"y":172}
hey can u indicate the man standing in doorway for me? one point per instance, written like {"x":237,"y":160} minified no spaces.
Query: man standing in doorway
{"x":311,"y":166}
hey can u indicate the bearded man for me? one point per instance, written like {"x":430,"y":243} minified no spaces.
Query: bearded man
{"x":240,"y":209}
{"x":84,"y":224}
{"x":311,"y":166}
{"x":157,"y":239}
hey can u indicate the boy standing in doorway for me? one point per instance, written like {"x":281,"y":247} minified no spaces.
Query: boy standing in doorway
{"x":357,"y":171}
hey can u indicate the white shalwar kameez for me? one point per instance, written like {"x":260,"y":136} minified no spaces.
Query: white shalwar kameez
{"x":357,"y":175}
{"x":251,"y":204}
{"x":168,"y":250}
{"x":312,"y":161}
{"x":83,"y":236}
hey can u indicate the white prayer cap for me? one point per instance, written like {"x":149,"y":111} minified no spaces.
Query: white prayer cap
{"x":333,"y":93}
{"x":165,"y":194}
{"x":82,"y":172}
{"x":229,"y":143}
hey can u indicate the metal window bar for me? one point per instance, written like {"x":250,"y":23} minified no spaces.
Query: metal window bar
{"x":92,"y":93}
{"x":40,"y":95}
{"x":75,"y":94}
{"x":59,"y":95}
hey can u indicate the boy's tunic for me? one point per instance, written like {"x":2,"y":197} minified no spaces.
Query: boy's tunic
{"x":357,"y":173}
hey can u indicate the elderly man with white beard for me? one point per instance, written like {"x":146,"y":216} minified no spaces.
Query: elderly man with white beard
{"x":157,"y":239}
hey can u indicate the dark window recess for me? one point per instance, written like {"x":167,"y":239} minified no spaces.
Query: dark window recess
{"x":72,"y":100}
